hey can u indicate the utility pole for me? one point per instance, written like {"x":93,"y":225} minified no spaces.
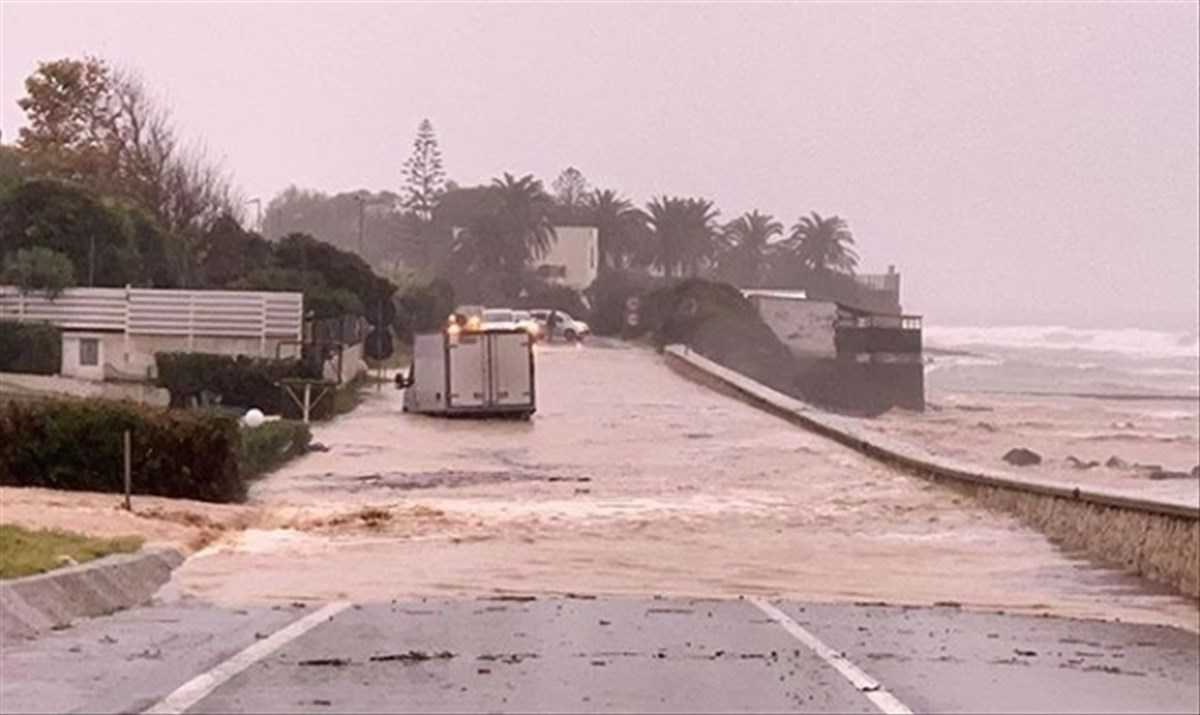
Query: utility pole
{"x":362,"y":206}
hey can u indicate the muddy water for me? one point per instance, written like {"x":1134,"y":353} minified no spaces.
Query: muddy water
{"x":978,"y":428}
{"x":632,"y":480}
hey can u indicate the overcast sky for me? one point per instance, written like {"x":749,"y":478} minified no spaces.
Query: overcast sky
{"x":1020,"y":164}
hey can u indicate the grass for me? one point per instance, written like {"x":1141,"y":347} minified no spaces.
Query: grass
{"x":24,"y":552}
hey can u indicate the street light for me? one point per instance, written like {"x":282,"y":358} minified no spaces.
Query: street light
{"x":257,"y":213}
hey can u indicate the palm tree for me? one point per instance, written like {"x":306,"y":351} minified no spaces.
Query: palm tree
{"x":498,"y":243}
{"x":684,"y":235}
{"x":823,"y":245}
{"x":748,"y":245}
{"x":620,"y":227}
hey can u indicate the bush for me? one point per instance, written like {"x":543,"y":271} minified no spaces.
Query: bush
{"x":30,"y":347}
{"x":608,"y":295}
{"x":243,"y":382}
{"x":269,"y":445}
{"x":423,"y":308}
{"x":719,"y":323}
{"x":78,"y":445}
{"x":39,"y":269}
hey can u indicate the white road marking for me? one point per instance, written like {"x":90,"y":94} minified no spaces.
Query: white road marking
{"x":885,"y":701}
{"x":200,"y":686}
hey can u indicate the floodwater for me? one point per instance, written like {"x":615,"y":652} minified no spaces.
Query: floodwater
{"x":1075,"y":436}
{"x":633,"y":480}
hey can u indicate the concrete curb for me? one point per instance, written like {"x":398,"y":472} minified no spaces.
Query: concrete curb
{"x":35,"y":604}
{"x":1158,"y":539}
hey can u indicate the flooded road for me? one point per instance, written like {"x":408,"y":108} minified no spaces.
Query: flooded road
{"x":631,"y":480}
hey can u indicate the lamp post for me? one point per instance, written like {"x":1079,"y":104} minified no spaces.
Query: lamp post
{"x":257,"y":213}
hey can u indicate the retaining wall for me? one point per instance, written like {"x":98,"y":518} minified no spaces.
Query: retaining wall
{"x":1158,"y":540}
{"x":35,"y":604}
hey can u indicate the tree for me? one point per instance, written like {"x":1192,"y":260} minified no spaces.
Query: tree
{"x":683,"y":234}
{"x":425,"y":180}
{"x":571,"y":189}
{"x":511,"y":230}
{"x":97,"y":238}
{"x":100,"y":127}
{"x":620,"y":226}
{"x":744,"y":261}
{"x":227,"y":252}
{"x":39,"y":269}
{"x":823,"y":245}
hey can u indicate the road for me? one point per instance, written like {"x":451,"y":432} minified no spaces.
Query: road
{"x":626,"y":550}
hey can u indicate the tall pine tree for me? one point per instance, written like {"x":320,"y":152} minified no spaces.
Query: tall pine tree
{"x":425,"y":180}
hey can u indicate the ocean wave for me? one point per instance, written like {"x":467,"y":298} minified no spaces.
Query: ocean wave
{"x":1131,"y":341}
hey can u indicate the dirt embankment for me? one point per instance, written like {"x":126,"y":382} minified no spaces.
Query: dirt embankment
{"x":189,"y":525}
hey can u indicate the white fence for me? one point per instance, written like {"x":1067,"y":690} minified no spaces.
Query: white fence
{"x":152,"y":311}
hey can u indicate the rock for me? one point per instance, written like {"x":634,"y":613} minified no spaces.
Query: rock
{"x":1080,"y":464}
{"x":317,"y":447}
{"x":1115,"y":462}
{"x":65,"y":560}
{"x":1196,"y":472}
{"x":986,"y":426}
{"x":1021,"y":457}
{"x":1168,"y":474}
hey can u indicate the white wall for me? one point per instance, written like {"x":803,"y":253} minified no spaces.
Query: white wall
{"x":577,"y":250}
{"x":805,"y":326}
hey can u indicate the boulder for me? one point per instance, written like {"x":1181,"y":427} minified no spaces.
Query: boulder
{"x":1021,"y":457}
{"x":1077,"y":463}
{"x":1168,"y":474}
{"x":1196,"y":472}
{"x":1115,"y":462}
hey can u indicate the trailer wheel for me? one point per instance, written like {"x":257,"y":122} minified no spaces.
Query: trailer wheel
{"x":570,"y":335}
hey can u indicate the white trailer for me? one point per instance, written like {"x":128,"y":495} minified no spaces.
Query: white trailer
{"x":480,"y":373}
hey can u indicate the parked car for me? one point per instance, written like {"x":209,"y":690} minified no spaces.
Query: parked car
{"x":525,"y":320}
{"x":565,"y":327}
{"x":499,"y":319}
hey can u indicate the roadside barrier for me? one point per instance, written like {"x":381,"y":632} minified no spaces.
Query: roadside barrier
{"x":1159,"y":540}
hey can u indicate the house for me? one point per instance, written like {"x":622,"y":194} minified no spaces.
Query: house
{"x":114,"y":333}
{"x":850,"y":358}
{"x":572,"y":258}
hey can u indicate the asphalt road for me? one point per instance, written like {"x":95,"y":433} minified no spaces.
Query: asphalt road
{"x":598,"y":655}
{"x":425,"y":566}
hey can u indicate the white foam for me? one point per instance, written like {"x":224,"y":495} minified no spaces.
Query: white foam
{"x":1130,"y":341}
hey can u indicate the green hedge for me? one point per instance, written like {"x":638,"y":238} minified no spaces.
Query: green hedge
{"x":269,"y":445}
{"x":30,"y":347}
{"x":77,"y":445}
{"x":242,"y":382}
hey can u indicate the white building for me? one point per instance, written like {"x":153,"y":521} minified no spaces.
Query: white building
{"x":572,"y":258}
{"x":113,"y":333}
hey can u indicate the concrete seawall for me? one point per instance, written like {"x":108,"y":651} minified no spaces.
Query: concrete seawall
{"x":35,"y":604}
{"x":1159,"y":540}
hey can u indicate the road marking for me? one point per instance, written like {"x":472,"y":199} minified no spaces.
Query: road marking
{"x":200,"y":686}
{"x":885,"y":701}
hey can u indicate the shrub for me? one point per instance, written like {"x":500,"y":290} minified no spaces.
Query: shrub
{"x":30,"y":347}
{"x":269,"y":445}
{"x":244,"y":382}
{"x":39,"y":269}
{"x":78,"y":445}
{"x":719,"y":323}
{"x":423,"y":308}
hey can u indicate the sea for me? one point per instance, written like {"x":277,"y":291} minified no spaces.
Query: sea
{"x":1058,"y":360}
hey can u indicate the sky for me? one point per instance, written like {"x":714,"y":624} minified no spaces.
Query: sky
{"x":1019,"y":164}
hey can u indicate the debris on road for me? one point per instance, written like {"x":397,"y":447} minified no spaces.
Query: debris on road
{"x":412,"y":656}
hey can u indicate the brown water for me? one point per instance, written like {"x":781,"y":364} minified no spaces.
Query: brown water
{"x":632,"y":480}
{"x":981,"y":427}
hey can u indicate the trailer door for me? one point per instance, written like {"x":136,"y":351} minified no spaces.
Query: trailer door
{"x":468,"y":378}
{"x":512,"y":369}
